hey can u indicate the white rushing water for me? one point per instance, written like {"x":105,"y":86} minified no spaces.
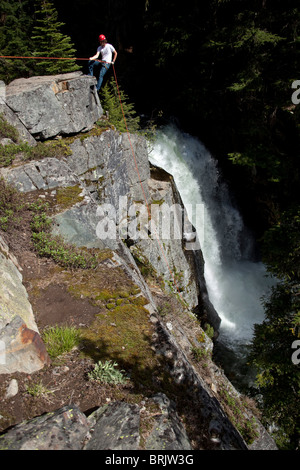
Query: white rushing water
{"x":235,"y":283}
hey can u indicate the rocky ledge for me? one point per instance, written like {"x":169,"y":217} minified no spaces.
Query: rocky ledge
{"x":115,"y":426}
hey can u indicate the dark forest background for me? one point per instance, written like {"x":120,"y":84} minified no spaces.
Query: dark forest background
{"x":223,"y":69}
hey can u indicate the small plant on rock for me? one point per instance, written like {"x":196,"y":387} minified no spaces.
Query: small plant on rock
{"x":7,"y":130}
{"x":54,"y":246}
{"x":106,"y":372}
{"x":10,"y":206}
{"x":37,"y":390}
{"x":199,"y":353}
{"x":209,"y":330}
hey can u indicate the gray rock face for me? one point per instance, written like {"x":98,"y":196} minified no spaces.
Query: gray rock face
{"x":12,"y":389}
{"x":115,"y":427}
{"x":78,"y":225}
{"x":117,"y":171}
{"x":183,"y":371}
{"x":161,"y":243}
{"x":168,"y":432}
{"x":264,"y":441}
{"x":64,"y":429}
{"x":102,"y":165}
{"x":48,"y":173}
{"x":51,"y":105}
{"x":108,"y":161}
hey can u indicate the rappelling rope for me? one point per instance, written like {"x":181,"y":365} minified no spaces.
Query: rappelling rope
{"x":42,"y":58}
{"x":130,"y":142}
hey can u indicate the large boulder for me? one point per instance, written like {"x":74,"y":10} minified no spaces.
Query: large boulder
{"x":52,"y":105}
{"x":21,"y":347}
{"x":107,"y":171}
{"x":13,"y":295}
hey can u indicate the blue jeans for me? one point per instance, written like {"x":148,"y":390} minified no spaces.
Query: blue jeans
{"x":104,"y":68}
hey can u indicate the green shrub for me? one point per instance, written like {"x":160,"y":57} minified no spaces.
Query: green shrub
{"x":7,"y":130}
{"x":106,"y":372}
{"x":209,"y":330}
{"x":49,"y":149}
{"x":40,"y":222}
{"x":37,"y":390}
{"x":60,"y":339}
{"x":51,"y":246}
{"x":10,"y":206}
{"x":66,"y":255}
{"x":199,"y":353}
{"x":8,"y":153}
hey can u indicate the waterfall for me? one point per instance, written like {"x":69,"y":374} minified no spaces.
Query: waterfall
{"x":235,"y":282}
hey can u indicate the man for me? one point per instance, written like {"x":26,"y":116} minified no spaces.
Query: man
{"x":105,"y":51}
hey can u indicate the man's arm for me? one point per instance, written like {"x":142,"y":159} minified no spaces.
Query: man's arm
{"x":95,"y":56}
{"x":115,"y":56}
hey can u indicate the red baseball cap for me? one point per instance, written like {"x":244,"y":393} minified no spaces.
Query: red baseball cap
{"x":102,"y":37}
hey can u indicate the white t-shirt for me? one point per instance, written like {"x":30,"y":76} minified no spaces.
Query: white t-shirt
{"x":106,"y":52}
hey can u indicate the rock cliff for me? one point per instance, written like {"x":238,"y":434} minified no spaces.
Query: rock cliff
{"x":141,"y":304}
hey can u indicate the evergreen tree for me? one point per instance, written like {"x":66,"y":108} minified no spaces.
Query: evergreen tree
{"x":49,"y":41}
{"x":15,"y":26}
{"x":110,"y":101}
{"x":278,"y":377}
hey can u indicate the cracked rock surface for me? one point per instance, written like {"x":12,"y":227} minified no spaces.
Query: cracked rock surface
{"x":55,"y":105}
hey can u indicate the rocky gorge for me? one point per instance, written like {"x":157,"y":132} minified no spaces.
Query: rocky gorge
{"x":142,"y":304}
